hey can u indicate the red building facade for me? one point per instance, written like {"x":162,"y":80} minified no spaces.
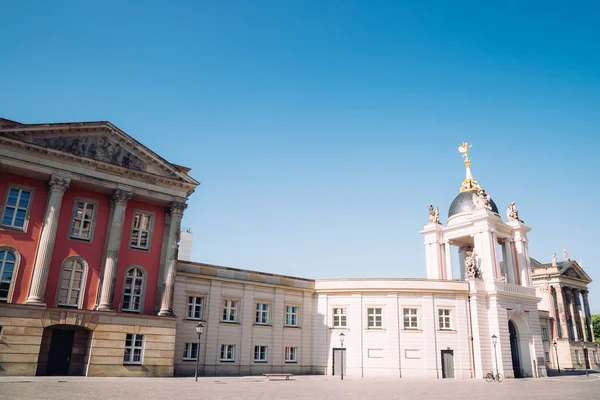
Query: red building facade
{"x":89,"y":228}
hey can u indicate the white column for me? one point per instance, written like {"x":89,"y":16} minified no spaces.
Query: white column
{"x":509,"y":262}
{"x":580,"y":317}
{"x":176,"y":210}
{"x":572,"y":311}
{"x":109,"y":277}
{"x":37,"y":288}
{"x":564,"y":332}
{"x":588,"y":316}
{"x":448,"y":253}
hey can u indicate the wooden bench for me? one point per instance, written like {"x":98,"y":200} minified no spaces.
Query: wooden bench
{"x":286,"y":376}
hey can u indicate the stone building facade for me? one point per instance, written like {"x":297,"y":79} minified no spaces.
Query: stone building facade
{"x":487,"y":314}
{"x":89,"y":225}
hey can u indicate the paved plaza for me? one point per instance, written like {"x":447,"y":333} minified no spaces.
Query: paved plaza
{"x":302,"y":387}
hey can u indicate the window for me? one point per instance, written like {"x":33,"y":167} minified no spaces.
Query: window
{"x":16,"y":208}
{"x":8,"y":261}
{"x":134,"y":345}
{"x":339,"y":317}
{"x":260,"y":353}
{"x":547,"y":356}
{"x":195,"y":307}
{"x":1,"y":332}
{"x":291,"y":316}
{"x":444,"y":320}
{"x":133,"y":290}
{"x":374,"y":318}
{"x":411,"y":320}
{"x":230,"y":310}
{"x":262,"y":313}
{"x":577,"y":357}
{"x":190,"y":352}
{"x":83,"y":216}
{"x":595,"y":352}
{"x":291,"y":354}
{"x":544,"y":334}
{"x":141,"y":230}
{"x":72,"y":282}
{"x":228,"y":352}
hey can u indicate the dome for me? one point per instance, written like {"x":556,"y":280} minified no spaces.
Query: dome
{"x":464,"y":203}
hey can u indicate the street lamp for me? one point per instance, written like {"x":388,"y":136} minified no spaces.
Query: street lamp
{"x":342,"y":353}
{"x":585,"y":359}
{"x":556,"y":352}
{"x":494,"y":341}
{"x":199,"y":330}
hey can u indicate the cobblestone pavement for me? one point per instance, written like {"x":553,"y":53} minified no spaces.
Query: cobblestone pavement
{"x":302,"y":387}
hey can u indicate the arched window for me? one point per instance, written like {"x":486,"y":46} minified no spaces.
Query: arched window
{"x":133,"y":289}
{"x":72,"y":282}
{"x":9,"y":261}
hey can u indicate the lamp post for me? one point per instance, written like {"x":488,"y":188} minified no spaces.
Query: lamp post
{"x":585,"y":359}
{"x":494,"y":341}
{"x":342,"y":353}
{"x":556,"y":353}
{"x":199,"y":330}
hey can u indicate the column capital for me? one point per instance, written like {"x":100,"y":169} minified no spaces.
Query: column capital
{"x":584,"y":293}
{"x":59,"y":183}
{"x":121,"y":197}
{"x":177,"y":208}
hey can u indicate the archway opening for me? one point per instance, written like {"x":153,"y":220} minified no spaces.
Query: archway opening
{"x":520,"y":338}
{"x":64,"y":351}
{"x":514,"y":349}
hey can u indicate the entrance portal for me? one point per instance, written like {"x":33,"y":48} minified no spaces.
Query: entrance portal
{"x":514,"y":349}
{"x":447,"y":364}
{"x":64,"y":351}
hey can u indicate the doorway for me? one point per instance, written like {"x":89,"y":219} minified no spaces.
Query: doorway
{"x":339,"y":364}
{"x":59,"y":356}
{"x":586,"y":358}
{"x":447,"y":363}
{"x":514,"y":349}
{"x":64,"y":350}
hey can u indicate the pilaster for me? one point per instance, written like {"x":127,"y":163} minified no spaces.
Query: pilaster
{"x":433,"y":250}
{"x":119,"y":201}
{"x":37,"y":289}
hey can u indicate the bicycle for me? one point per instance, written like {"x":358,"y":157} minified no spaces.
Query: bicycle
{"x":491,"y":377}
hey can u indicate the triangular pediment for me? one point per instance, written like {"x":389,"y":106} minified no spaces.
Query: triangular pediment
{"x":100,"y":141}
{"x":574,"y":271}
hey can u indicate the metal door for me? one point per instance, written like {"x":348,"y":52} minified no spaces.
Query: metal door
{"x":338,"y":363}
{"x":447,"y":364}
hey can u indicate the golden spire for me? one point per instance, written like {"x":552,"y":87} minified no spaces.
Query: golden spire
{"x":469,"y":183}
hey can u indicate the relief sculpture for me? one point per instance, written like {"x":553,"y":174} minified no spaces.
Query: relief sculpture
{"x":96,"y":147}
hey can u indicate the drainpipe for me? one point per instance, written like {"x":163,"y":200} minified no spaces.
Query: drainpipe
{"x":437,"y":370}
{"x":472,"y":351}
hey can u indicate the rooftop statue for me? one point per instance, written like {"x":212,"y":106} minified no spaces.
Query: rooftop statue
{"x":512,"y":214}
{"x":434,"y":214}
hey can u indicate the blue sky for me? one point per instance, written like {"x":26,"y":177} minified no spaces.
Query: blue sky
{"x":320,"y":130}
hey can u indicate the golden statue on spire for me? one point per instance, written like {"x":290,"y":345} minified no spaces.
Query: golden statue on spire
{"x":469,"y":183}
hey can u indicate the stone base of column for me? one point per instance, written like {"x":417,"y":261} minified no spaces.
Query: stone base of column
{"x":105,"y":307}
{"x":166,"y":312}
{"x":34,"y":301}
